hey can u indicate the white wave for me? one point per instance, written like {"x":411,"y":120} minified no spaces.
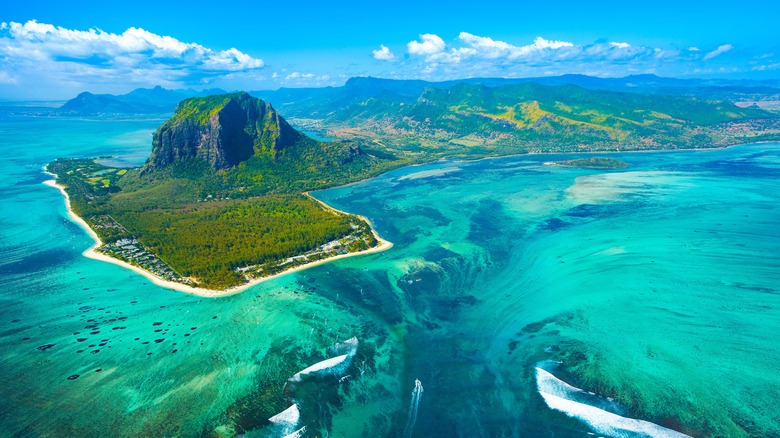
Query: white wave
{"x":297,"y":434}
{"x":289,"y":416}
{"x":332,"y":366}
{"x":348,"y":347}
{"x":549,"y":384}
{"x":574,"y":402}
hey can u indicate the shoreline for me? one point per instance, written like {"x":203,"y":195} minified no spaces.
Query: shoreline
{"x":199,"y":291}
{"x":383,"y":244}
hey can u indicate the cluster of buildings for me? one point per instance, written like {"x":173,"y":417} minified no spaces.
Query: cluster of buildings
{"x":133,"y":252}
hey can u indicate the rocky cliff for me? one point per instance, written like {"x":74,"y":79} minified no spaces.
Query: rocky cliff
{"x":223,"y":130}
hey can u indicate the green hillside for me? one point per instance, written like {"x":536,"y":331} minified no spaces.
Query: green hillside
{"x":527,"y":117}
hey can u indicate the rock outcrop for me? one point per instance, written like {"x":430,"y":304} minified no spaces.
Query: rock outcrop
{"x":223,"y":130}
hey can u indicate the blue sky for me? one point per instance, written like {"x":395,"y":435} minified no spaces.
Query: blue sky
{"x":56,"y":49}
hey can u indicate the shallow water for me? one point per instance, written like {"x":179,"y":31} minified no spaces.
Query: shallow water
{"x":657,"y":286}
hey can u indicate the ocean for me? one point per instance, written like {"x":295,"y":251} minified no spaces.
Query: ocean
{"x":519,"y":299}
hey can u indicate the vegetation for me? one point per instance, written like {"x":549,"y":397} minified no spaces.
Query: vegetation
{"x":477,"y":120}
{"x":207,"y":240}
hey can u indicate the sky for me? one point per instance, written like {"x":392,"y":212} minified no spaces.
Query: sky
{"x":53,"y":50}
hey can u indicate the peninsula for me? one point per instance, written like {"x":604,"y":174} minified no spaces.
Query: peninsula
{"x":222,"y":202}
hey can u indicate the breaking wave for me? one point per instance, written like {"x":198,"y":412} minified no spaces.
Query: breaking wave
{"x":600,"y":414}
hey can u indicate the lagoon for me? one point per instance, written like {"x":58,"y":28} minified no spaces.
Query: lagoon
{"x":655,"y":287}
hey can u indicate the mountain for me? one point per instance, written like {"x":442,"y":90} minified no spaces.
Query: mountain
{"x":88,"y":103}
{"x":223,"y":130}
{"x":225,"y":144}
{"x":479,"y":119}
{"x":321,"y":102}
{"x":155,"y":100}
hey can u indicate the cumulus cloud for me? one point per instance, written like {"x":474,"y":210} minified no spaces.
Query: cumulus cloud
{"x":486,"y":47}
{"x":135,"y":55}
{"x":478,"y":47}
{"x":719,"y":51}
{"x":430,"y":44}
{"x":472,"y":55}
{"x":383,"y":53}
{"x":541,"y":44}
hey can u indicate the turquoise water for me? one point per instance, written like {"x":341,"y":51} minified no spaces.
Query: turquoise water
{"x":658,"y":287}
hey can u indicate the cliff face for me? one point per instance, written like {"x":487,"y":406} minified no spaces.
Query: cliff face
{"x":223,"y":130}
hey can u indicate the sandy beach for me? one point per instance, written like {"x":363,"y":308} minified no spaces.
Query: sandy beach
{"x":209,"y":293}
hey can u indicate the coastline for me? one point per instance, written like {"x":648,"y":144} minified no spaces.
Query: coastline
{"x":202,"y":292}
{"x":383,"y":244}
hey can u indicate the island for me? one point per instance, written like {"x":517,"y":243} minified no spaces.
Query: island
{"x":223,"y":200}
{"x":590,"y":163}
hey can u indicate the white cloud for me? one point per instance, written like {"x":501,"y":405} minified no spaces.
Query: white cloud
{"x":299,"y":75}
{"x":774,"y":66}
{"x":431,"y":44}
{"x":719,"y":51}
{"x":479,"y":47}
{"x":665,"y":54}
{"x":693,"y":49}
{"x":541,"y":44}
{"x":472,"y":55}
{"x":6,"y":78}
{"x":136,"y":56}
{"x":45,"y":41}
{"x":383,"y":53}
{"x":485,"y":47}
{"x":301,"y":79}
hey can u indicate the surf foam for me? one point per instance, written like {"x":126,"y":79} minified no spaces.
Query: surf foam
{"x":332,"y":366}
{"x":593,"y":410}
{"x":289,"y":416}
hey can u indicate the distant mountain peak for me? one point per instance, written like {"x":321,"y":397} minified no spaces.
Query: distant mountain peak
{"x":156,"y":100}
